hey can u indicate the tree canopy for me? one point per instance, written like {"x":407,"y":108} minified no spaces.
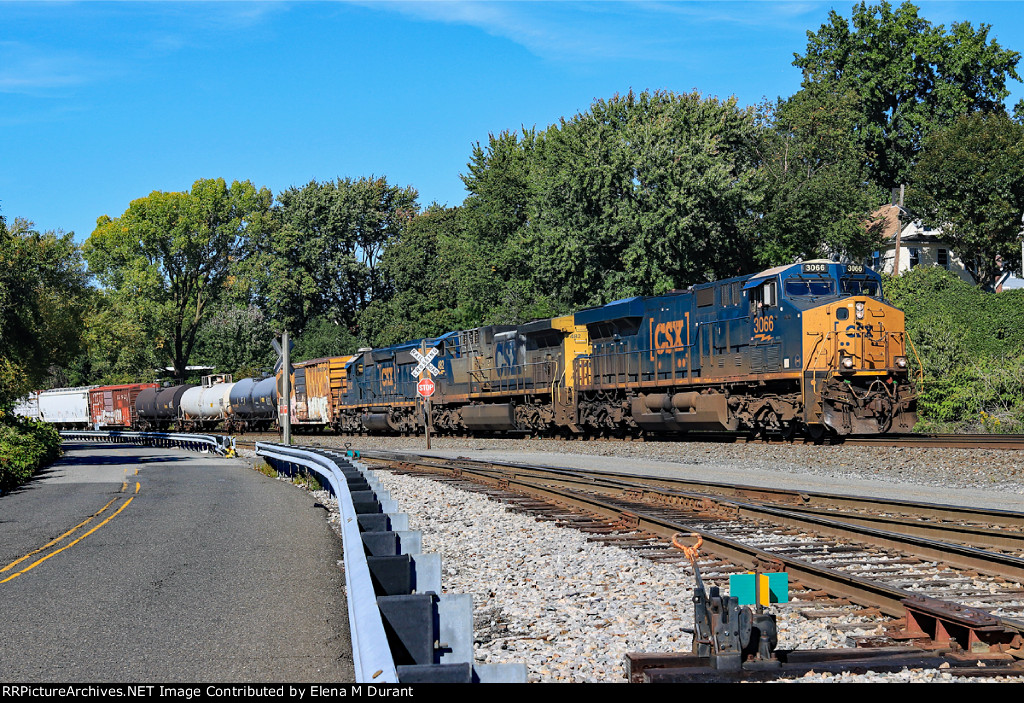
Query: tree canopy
{"x":169,"y":257}
{"x":909,"y":76}
{"x":43,"y":291}
{"x":322,"y":259}
{"x":970,"y":179}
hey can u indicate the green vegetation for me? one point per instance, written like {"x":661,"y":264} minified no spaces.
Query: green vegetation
{"x":971,"y":347}
{"x":25,"y":447}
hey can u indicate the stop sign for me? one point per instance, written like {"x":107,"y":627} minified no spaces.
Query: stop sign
{"x":425,"y":387}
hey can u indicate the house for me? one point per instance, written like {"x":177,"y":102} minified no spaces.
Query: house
{"x":917,"y":244}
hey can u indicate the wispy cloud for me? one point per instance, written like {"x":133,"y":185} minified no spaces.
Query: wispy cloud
{"x":34,"y":70}
{"x":587,"y":30}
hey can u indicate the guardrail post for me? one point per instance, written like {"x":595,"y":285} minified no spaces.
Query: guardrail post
{"x":428,"y":635}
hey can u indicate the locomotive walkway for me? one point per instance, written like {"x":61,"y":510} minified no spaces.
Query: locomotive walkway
{"x":131,"y":564}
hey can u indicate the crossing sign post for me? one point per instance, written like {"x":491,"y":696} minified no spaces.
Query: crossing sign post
{"x":425,"y":386}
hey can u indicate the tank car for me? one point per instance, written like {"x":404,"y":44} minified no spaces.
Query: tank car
{"x":156,"y":409}
{"x":253,"y":405}
{"x":205,"y":406}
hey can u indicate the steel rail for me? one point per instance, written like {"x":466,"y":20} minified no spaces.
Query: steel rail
{"x":565,"y":490}
{"x":973,"y":527}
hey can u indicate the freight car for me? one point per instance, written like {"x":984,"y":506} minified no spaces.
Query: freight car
{"x":252,"y":405}
{"x":113,"y":407}
{"x":207,"y":405}
{"x":317,"y":386}
{"x":65,"y":408}
{"x":811,"y":347}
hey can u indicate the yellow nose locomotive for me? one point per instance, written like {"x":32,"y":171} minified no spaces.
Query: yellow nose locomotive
{"x":811,"y":346}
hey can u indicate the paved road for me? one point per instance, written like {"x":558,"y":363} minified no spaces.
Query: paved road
{"x":187,"y":568}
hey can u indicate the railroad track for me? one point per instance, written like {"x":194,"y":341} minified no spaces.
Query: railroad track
{"x":947,"y":441}
{"x":951,"y":575}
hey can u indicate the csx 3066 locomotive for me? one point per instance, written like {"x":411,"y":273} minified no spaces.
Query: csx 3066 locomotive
{"x":808,"y":347}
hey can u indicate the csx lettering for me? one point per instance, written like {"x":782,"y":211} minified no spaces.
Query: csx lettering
{"x":860,"y":330}
{"x":387,"y":376}
{"x":669,"y":335}
{"x":764,"y":325}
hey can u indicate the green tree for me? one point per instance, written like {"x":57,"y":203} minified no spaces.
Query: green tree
{"x":970,"y":181}
{"x":43,"y":294}
{"x":169,"y":258}
{"x":909,"y":76}
{"x":236,"y":339}
{"x":323,"y":259}
{"x":817,"y":194}
{"x":642,"y":194}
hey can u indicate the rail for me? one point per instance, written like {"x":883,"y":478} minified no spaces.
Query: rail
{"x":220,"y":444}
{"x":403,"y":630}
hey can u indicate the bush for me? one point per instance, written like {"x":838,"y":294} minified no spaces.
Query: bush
{"x":971,"y":347}
{"x":25,"y":447}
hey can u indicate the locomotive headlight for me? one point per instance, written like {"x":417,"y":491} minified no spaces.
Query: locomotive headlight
{"x":901,"y":362}
{"x":859,"y":307}
{"x":846,"y":362}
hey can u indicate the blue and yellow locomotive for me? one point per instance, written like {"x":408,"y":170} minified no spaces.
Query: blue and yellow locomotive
{"x":810,"y":347}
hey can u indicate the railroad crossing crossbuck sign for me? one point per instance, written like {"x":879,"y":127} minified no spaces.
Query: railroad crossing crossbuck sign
{"x":425,"y":363}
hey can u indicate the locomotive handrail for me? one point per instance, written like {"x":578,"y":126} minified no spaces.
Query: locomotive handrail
{"x":220,"y":444}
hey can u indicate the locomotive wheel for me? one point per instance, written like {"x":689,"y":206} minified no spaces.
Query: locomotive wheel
{"x":818,"y":432}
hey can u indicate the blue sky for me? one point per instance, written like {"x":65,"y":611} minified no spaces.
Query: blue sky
{"x":105,"y":102}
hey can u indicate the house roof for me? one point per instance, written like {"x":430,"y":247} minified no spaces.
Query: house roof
{"x":889,"y":218}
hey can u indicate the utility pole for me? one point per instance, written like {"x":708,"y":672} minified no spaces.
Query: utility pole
{"x":899,"y":234}
{"x":286,"y":389}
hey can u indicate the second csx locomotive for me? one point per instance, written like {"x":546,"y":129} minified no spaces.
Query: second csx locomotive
{"x":811,"y":347}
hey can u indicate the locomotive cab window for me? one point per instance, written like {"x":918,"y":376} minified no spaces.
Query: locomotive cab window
{"x":763,"y":296}
{"x":804,"y":287}
{"x":861,"y":286}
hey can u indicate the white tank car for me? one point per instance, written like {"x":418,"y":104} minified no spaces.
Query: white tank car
{"x":206,"y":405}
{"x":66,"y":407}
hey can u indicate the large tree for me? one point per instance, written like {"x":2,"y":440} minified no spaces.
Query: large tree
{"x":323,"y":259}
{"x":908,"y":75}
{"x":970,"y":181}
{"x":169,"y":258}
{"x":43,"y":293}
{"x":641,"y":194}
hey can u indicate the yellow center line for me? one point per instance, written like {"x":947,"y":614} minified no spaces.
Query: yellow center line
{"x":72,"y":544}
{"x":57,"y":539}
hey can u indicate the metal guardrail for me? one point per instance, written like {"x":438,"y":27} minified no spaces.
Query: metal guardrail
{"x":198,"y":442}
{"x":404,"y":630}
